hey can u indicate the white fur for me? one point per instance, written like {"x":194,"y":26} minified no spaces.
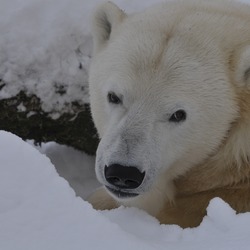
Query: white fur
{"x":172,"y":56}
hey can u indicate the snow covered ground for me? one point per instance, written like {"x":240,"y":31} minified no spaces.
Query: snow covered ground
{"x":46,"y":44}
{"x":39,"y":210}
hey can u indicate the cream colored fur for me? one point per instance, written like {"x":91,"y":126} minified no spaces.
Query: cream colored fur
{"x":193,"y":52}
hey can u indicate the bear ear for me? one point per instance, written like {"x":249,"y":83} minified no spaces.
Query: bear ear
{"x":242,"y":71}
{"x":106,"y":18}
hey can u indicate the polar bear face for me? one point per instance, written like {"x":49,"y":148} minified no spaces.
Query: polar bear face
{"x":161,"y":98}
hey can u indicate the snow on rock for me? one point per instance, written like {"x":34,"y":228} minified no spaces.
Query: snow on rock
{"x":39,"y":210}
{"x":45,"y":49}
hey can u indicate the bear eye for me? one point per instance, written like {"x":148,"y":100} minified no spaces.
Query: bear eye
{"x":178,"y":116}
{"x":113,"y":98}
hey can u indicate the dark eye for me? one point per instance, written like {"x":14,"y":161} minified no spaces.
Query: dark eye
{"x":178,"y":116}
{"x":113,"y":98}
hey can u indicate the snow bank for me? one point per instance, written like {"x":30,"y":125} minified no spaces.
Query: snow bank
{"x":38,"y":210}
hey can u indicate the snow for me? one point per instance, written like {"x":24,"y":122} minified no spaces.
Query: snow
{"x":39,"y":210}
{"x":46,"y":49}
{"x":75,"y":166}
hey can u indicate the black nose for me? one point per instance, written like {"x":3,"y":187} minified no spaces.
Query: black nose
{"x":124,"y":177}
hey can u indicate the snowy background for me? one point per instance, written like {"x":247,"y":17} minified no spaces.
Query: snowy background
{"x":46,"y":44}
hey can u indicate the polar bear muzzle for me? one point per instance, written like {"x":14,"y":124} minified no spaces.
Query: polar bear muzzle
{"x":123,"y":179}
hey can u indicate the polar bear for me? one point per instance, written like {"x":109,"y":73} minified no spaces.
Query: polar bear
{"x":170,"y":98}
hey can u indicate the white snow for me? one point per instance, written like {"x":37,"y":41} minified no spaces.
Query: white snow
{"x":75,"y":166}
{"x":39,"y":210}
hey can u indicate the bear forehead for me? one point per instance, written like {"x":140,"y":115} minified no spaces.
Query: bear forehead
{"x":155,"y":55}
{"x":148,"y":33}
{"x":166,"y":46}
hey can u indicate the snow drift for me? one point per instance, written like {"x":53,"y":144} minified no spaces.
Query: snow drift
{"x":39,"y":210}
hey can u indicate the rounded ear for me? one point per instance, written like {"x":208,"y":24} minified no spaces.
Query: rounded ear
{"x":106,"y":18}
{"x":242,"y":68}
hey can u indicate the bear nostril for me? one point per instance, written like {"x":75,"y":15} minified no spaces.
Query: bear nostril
{"x":114,"y":180}
{"x":123,"y":177}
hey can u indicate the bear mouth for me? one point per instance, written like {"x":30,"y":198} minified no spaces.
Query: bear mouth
{"x":121,"y":194}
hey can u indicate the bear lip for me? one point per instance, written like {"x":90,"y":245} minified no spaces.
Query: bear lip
{"x":121,"y":194}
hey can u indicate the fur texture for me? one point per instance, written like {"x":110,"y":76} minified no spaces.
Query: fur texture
{"x":187,"y":55}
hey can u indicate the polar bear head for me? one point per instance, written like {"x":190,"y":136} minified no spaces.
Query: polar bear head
{"x":163,"y":93}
